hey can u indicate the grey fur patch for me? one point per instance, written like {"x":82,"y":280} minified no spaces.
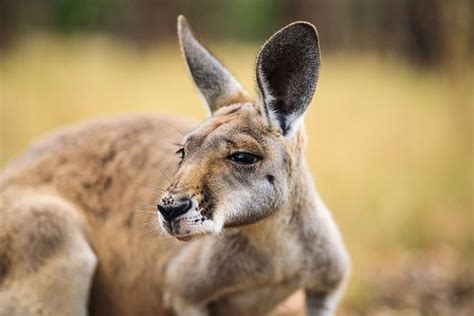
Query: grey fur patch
{"x":215,"y":82}
{"x":287,"y":73}
{"x":44,"y":236}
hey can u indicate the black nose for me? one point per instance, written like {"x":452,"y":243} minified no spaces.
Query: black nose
{"x":170,"y":212}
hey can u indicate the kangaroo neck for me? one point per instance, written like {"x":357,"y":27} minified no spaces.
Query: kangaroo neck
{"x":301,"y":203}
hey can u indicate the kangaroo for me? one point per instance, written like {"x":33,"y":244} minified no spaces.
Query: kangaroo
{"x":242,"y":227}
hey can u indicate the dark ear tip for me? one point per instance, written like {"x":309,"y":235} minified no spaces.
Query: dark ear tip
{"x":292,"y":33}
{"x":302,"y":27}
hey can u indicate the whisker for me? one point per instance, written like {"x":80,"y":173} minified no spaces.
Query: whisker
{"x":160,"y":171}
{"x":155,"y":230}
{"x":169,"y":149}
{"x":144,"y":208}
{"x":174,"y":127}
{"x":145,"y":212}
{"x":151,"y":227}
{"x":156,"y":189}
{"x":140,"y":183}
{"x":149,"y":187}
{"x":145,"y":216}
{"x":150,"y":224}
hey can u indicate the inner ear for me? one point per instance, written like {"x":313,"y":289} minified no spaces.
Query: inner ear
{"x":215,"y":83}
{"x":287,"y":73}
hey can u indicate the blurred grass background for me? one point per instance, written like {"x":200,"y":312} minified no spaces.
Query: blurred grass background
{"x":390,"y":130}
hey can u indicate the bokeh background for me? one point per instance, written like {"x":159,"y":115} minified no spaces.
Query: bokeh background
{"x":390,"y":127}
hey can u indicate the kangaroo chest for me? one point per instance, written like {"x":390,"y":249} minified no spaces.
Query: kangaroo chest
{"x":289,"y":269}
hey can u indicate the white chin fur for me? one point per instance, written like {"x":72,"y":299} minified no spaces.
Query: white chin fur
{"x":193,"y":223}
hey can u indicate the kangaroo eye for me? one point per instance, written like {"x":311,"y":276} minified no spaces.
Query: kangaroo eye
{"x":180,"y":153}
{"x":244,"y":158}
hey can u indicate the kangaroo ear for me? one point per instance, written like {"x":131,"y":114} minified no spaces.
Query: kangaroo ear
{"x":216,"y":84}
{"x":287,"y":72}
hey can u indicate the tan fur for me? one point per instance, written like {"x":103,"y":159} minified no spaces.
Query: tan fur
{"x":78,"y":206}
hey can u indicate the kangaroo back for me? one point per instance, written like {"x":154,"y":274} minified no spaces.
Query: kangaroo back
{"x":111,"y":173}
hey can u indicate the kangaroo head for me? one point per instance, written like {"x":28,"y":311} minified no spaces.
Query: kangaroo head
{"x":236,"y":168}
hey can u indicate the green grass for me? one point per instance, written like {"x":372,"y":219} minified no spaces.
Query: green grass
{"x":390,"y":146}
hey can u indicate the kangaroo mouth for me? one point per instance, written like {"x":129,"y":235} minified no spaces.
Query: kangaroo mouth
{"x":185,"y":238}
{"x":182,"y":233}
{"x":184,"y":230}
{"x":191,"y":237}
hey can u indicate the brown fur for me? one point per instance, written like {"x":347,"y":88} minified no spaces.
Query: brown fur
{"x":86,"y":194}
{"x":108,"y":169}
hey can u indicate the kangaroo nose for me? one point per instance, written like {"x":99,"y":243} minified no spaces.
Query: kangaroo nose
{"x":170,"y":212}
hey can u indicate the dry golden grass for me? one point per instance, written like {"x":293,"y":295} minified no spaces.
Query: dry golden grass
{"x":390,"y":146}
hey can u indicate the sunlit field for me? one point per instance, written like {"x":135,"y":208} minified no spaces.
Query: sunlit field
{"x":390,"y":148}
